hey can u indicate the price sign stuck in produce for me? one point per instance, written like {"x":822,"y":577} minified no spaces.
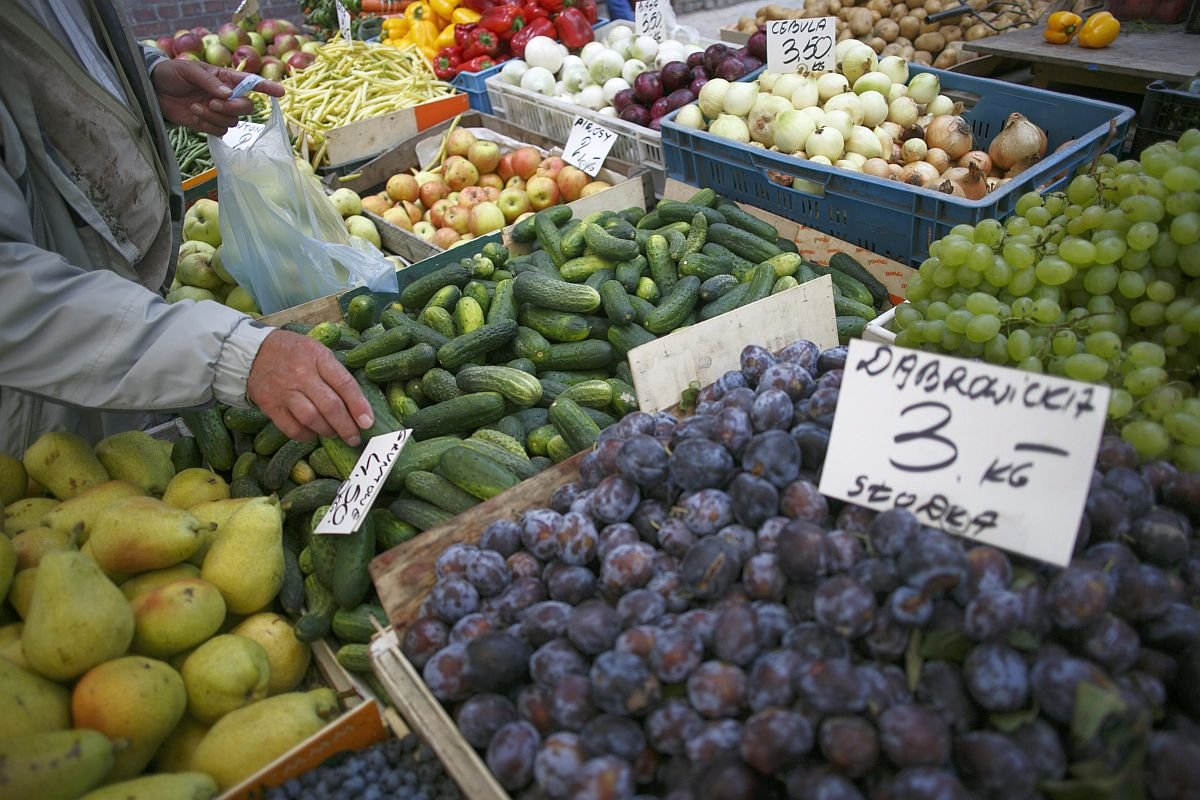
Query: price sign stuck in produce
{"x":650,"y":19}
{"x":801,"y":45}
{"x":358,"y":492}
{"x":588,"y":146}
{"x":992,"y":454}
{"x":343,"y":20}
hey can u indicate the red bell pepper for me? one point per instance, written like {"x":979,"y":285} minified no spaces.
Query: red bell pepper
{"x":588,"y":7}
{"x":573,"y":28}
{"x":479,"y":6}
{"x":504,"y":21}
{"x":481,"y":42}
{"x":532,"y":10}
{"x":553,"y":6}
{"x":462,"y":34}
{"x":538,"y":27}
{"x":477,"y":64}
{"x":445,"y":65}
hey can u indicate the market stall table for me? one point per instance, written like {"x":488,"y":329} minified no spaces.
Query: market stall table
{"x":1127,"y":65}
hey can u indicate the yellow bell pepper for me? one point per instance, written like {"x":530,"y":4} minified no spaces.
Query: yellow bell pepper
{"x":465,"y":16}
{"x":1100,"y":30}
{"x":444,"y":8}
{"x":1061,"y":26}
{"x":423,"y":34}
{"x":399,"y":28}
{"x":445,"y":38}
{"x":418,"y":11}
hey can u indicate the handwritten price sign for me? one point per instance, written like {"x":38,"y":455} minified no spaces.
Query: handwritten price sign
{"x":358,"y":493}
{"x":343,"y":20}
{"x":588,"y":146}
{"x":992,"y":454}
{"x":801,"y":45}
{"x":650,"y":19}
{"x":240,"y":136}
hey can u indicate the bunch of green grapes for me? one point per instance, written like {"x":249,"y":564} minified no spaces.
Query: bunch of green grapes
{"x":1095,"y":284}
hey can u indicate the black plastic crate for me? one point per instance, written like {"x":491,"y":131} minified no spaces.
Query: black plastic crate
{"x":1166,"y":114}
{"x":1193,"y":20}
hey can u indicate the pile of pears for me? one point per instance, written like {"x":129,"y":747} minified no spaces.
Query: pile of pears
{"x":139,"y":656}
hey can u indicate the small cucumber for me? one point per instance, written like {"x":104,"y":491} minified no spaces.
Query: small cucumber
{"x":353,"y":625}
{"x":320,"y":608}
{"x":504,"y":304}
{"x":559,"y":326}
{"x":849,"y":327}
{"x":475,"y":473}
{"x":420,"y":333}
{"x":575,"y":426}
{"x":546,"y":231}
{"x":390,"y":531}
{"x":468,"y":315}
{"x":475,"y":345}
{"x":211,"y":435}
{"x":311,"y":496}
{"x":662,"y":269}
{"x":624,"y":338}
{"x":624,"y":397}
{"x":716,"y":286}
{"x":417,"y":293}
{"x":675,"y":307}
{"x":629,"y":272}
{"x":245,"y":420}
{"x":735,"y":216}
{"x":605,"y":245}
{"x":439,"y":319}
{"x":439,"y":385}
{"x":844,"y":306}
{"x":283,"y":460}
{"x":556,"y":295}
{"x":445,"y":298}
{"x":588,"y":354}
{"x":531,"y":345}
{"x":410,"y":363}
{"x":433,"y":488}
{"x":360,"y":312}
{"x":616,"y":303}
{"x":185,"y":454}
{"x":593,"y":394}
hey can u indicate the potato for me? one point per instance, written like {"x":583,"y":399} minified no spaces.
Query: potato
{"x":882,"y":6}
{"x":946,"y":59}
{"x":843,"y":34}
{"x":860,"y":21}
{"x":893,"y":49}
{"x":907,"y":52}
{"x":910,"y":27}
{"x":876,"y":44}
{"x":875,"y":16}
{"x":922,"y":57}
{"x":951,"y":33}
{"x":834,"y":7}
{"x":930,"y":42}
{"x":976,"y":32}
{"x":898,"y":12}
{"x":934,"y":6}
{"x":821,"y":7}
{"x":919,"y":14}
{"x":930,"y":27}
{"x":887,"y":29}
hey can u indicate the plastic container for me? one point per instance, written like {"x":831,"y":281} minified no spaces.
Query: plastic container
{"x":888,"y":217}
{"x":1166,"y":114}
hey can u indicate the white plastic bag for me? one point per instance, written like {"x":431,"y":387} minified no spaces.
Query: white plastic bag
{"x":282,"y":238}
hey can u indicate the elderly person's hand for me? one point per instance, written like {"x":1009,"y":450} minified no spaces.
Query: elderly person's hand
{"x":196,"y":95}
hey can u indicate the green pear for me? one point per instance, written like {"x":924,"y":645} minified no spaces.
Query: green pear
{"x":175,"y":754}
{"x":288,"y":655}
{"x":246,"y":560}
{"x":33,"y":543}
{"x":224,"y":674}
{"x":242,"y":300}
{"x":77,"y":618}
{"x":218,"y":265}
{"x":10,"y":645}
{"x":175,"y":617}
{"x":20,"y":593}
{"x":194,"y":486}
{"x":8,"y":565}
{"x":137,"y":457}
{"x":53,"y":765}
{"x":190,"y":293}
{"x":212,"y":516}
{"x":182,"y":786}
{"x":27,"y":513}
{"x":77,"y":515}
{"x":149,"y":581}
{"x":138,"y":534}
{"x":63,"y":463}
{"x":133,"y":699}
{"x":248,"y":739}
{"x":31,"y":704}
{"x":14,"y":481}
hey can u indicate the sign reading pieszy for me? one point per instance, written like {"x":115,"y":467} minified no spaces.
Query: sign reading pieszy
{"x":996,"y":455}
{"x":358,"y":492}
{"x":801,"y":45}
{"x":588,"y":146}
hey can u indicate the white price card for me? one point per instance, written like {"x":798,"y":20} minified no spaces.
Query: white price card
{"x":801,"y":45}
{"x":650,"y":19}
{"x":247,"y":8}
{"x":588,"y":145}
{"x":358,"y":492}
{"x":343,"y":20}
{"x":240,"y":136}
{"x":992,"y":454}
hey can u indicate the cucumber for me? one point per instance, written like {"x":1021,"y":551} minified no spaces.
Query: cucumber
{"x":438,"y":319}
{"x":746,"y":245}
{"x":531,"y":345}
{"x":735,"y":216}
{"x":622,"y":372}
{"x":616,"y":303}
{"x":418,"y":293}
{"x":246,"y":486}
{"x":320,"y":607}
{"x":704,"y":197}
{"x":849,"y":327}
{"x":494,"y":436}
{"x":716,"y":286}
{"x":360,"y":312}
{"x":576,"y":428}
{"x":550,"y":392}
{"x":245,"y":420}
{"x":532,"y":418}
{"x":571,"y":239}
{"x":649,"y":221}
{"x":511,"y":426}
{"x":185,"y":454}
{"x":593,"y":394}
{"x":736,"y":263}
{"x":588,"y":354}
{"x":704,"y":266}
{"x":555,"y":295}
{"x":352,"y":553}
{"x":399,"y":402}
{"x":343,"y":456}
{"x":504,"y":303}
{"x":291,"y":592}
{"x":662,"y":270}
{"x":648,"y":290}
{"x":475,"y":345}
{"x":476,"y":474}
{"x":445,"y":298}
{"x":539,"y":261}
{"x":852,"y":288}
{"x":624,"y":397}
{"x":726,"y":302}
{"x":559,"y":326}
{"x":244,"y":465}
{"x":538,"y":438}
{"x":416,"y":360}
{"x":321,"y":464}
{"x":598,"y":327}
{"x":558,"y":450}
{"x":418,"y":456}
{"x":373,"y":331}
{"x":419,"y":514}
{"x":283,"y":460}
{"x":468,"y":314}
{"x":848,"y":265}
{"x":309,"y":497}
{"x":212,"y":437}
{"x":605,"y":245}
{"x":420,"y":333}
{"x":354,"y":625}
{"x":390,"y":531}
{"x":629,"y":272}
{"x":573,"y":376}
{"x":676,"y":242}
{"x":459,"y":415}
{"x":516,"y":386}
{"x":675,"y":307}
{"x":354,"y":657}
{"x":760,"y":284}
{"x":327,"y":333}
{"x":844,"y":306}
{"x":805,"y":273}
{"x":674,"y":211}
{"x":602,"y":418}
{"x":624,"y":338}
{"x":481,"y":266}
{"x":632,"y":215}
{"x":786,"y":245}
{"x":497,"y":252}
{"x":546,"y":231}
{"x":783,"y":284}
{"x":642,"y":307}
{"x":439,"y":385}
{"x":517,"y":465}
{"x":433,"y":488}
{"x":579,"y":269}
{"x":384,"y":420}
{"x":599,"y":278}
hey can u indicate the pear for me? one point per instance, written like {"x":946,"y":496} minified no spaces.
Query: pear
{"x":224,"y":674}
{"x":140,"y":533}
{"x":31,"y":704}
{"x":246,"y":560}
{"x":149,"y":581}
{"x":8,"y":565}
{"x":212,"y":516}
{"x":114,"y":575}
{"x":33,"y":543}
{"x":194,"y":486}
{"x":53,"y":765}
{"x":175,"y":754}
{"x":14,"y":481}
{"x":20,"y":594}
{"x":183,"y":786}
{"x":288,"y":655}
{"x":248,"y":739}
{"x":10,"y":644}
{"x":136,"y":699}
{"x":77,"y":618}
{"x":175,"y":617}
{"x":137,"y":457}
{"x":77,"y":515}
{"x":64,"y":464}
{"x":27,"y":513}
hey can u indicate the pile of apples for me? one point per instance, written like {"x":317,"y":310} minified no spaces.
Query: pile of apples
{"x":271,"y":48}
{"x":477,"y":189}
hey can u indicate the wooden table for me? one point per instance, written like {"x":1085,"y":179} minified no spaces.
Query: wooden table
{"x":1135,"y":59}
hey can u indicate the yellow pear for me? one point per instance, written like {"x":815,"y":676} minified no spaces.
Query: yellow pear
{"x":137,"y":534}
{"x":33,"y":543}
{"x":246,"y":560}
{"x":77,"y":515}
{"x":26,"y":513}
{"x":136,"y":699}
{"x":149,"y":581}
{"x":224,"y":674}
{"x":183,"y":786}
{"x":29,"y":703}
{"x":248,"y":739}
{"x":10,"y":644}
{"x":135,"y":456}
{"x":212,"y":516}
{"x":8,"y":565}
{"x":175,"y":754}
{"x":63,"y":463}
{"x":288,"y":655}
{"x":53,"y":765}
{"x":116,"y":576}
{"x":194,"y":486}
{"x":77,"y":618}
{"x":13,"y":479}
{"x":20,"y":594}
{"x":174,"y":617}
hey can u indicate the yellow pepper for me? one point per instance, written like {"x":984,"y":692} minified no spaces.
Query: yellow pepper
{"x":423,"y":34}
{"x":1061,"y":26}
{"x":418,"y":11}
{"x":465,"y":16}
{"x":1100,"y":30}
{"x":445,"y":38}
{"x":399,"y":27}
{"x":443,"y":8}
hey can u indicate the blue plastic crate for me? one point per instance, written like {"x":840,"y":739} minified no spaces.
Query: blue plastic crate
{"x":888,"y":217}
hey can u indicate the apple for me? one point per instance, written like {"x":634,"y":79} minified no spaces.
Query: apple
{"x":513,"y":203}
{"x":453,"y":198}
{"x":594,"y":187}
{"x":347,"y":202}
{"x":571,"y":181}
{"x":363,"y":228}
{"x":493,"y":194}
{"x":543,"y":192}
{"x":485,"y":218}
{"x":268,"y":29}
{"x":457,"y":217}
{"x":515,"y":182}
{"x":490,"y":179}
{"x":459,"y":142}
{"x":433,"y":191}
{"x":396,"y":215}
{"x":286,"y":44}
{"x":218,"y":56}
{"x":415,"y":212}
{"x":297,"y":61}
{"x":247,"y":59}
{"x":210,"y":39}
{"x":551,"y":166}
{"x":190,"y":246}
{"x":166,"y":44}
{"x":484,"y":155}
{"x":445,"y":237}
{"x":286,"y":26}
{"x":377,"y":203}
{"x":425,"y":230}
{"x":272,"y":68}
{"x":218,"y":265}
{"x":312,"y":48}
{"x":187,"y":57}
{"x":472,"y":196}
{"x":505,"y":168}
{"x":525,"y":161}
{"x":200,"y":223}
{"x":188,"y":42}
{"x":232,"y":36}
{"x":201,"y":31}
{"x":403,"y":187}
{"x":437,"y":214}
{"x":460,"y":173}
{"x":257,"y":42}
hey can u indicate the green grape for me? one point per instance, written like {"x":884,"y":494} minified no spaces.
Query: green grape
{"x":1077,"y":226}
{"x":954,"y":250}
{"x":1148,"y":314}
{"x":918,"y":288}
{"x":945,"y":276}
{"x":937,"y":310}
{"x":958,"y":319}
{"x":1184,"y":456}
{"x":935,"y":248}
{"x":1189,"y":260}
{"x":1077,"y":251}
{"x":968,"y":278}
{"x":1073,"y":211}
{"x":965,"y":231}
{"x":929,"y":267}
{"x":982,"y":328}
{"x":1135,"y":259}
{"x":1082,"y":190}
{"x":1101,"y":304}
{"x":1018,"y":255}
{"x":1162,"y":401}
{"x":917,"y":331}
{"x":980,"y":257}
{"x":1023,"y":282}
{"x":1015,"y":225}
{"x":951,"y":341}
{"x":1170,"y":274}
{"x":1056,"y":366}
{"x":1103,"y":344}
{"x":1157,"y":160}
{"x":998,"y":273}
{"x":1145,"y":354}
{"x":981,"y":303}
{"x":906,"y":339}
{"x":1175,"y":335}
{"x":989,"y":232}
{"x":1031,"y":364}
{"x":1143,"y":208}
{"x":969,"y":349}
{"x":1107,"y":160}
{"x":934,"y":330}
{"x":1019,"y":345}
{"x":1191,"y":406}
{"x":1181,"y":178}
{"x":1160,"y":291}
{"x":906,"y":315}
{"x":1185,"y":229}
{"x":996,"y":350}
{"x":1179,"y":307}
{"x":922,"y":306}
{"x":1115,"y":220}
{"x":1054,"y":271}
{"x":1027,"y":201}
{"x":1142,"y":235}
{"x":1022,"y":307}
{"x":1046,"y":311}
{"x":1055,"y":202}
{"x":1038,"y":217}
{"x":1120,"y":403}
{"x":1148,"y":438}
{"x":1191,"y":320}
{"x":1131,"y":285}
{"x":1189,"y":139}
{"x":1029,"y":237}
{"x":1101,"y":279}
{"x":1183,"y":427}
{"x":957,"y":299}
{"x":1064,"y":343}
{"x":1085,"y":367}
{"x":1182,"y":202}
{"x":1165,"y":252}
{"x":1092,"y":217}
{"x":1109,"y":249}
{"x":1144,"y":380}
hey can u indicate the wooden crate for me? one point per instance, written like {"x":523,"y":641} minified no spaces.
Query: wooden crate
{"x":369,"y":137}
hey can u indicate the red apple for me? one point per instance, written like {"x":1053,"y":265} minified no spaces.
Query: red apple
{"x":187,"y":57}
{"x":513,"y":203}
{"x":268,"y":29}
{"x":525,"y":161}
{"x":460,"y":173}
{"x":258,"y":42}
{"x":444,"y":237}
{"x":425,"y":230}
{"x":472,"y":196}
{"x":505,"y":168}
{"x":188,"y":43}
{"x":493,"y":194}
{"x":232,"y":36}
{"x":437,"y":213}
{"x":218,"y":55}
{"x":571,"y":181}
{"x":286,"y":27}
{"x":297,"y":61}
{"x":484,"y":155}
{"x":377,"y":203}
{"x":286,"y":44}
{"x":247,"y":59}
{"x":551,"y":166}
{"x":458,"y":218}
{"x":543,"y":192}
{"x":433,"y":191}
{"x":398,"y":217}
{"x":415,"y":212}
{"x":403,"y":187}
{"x":272,"y":68}
{"x":594,"y":187}
{"x":515,"y":182}
{"x":485,"y":218}
{"x":166,"y":44}
{"x":201,"y":31}
{"x":490,"y":179}
{"x":459,"y":142}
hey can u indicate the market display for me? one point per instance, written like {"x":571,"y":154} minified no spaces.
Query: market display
{"x":397,"y":767}
{"x":271,"y":48}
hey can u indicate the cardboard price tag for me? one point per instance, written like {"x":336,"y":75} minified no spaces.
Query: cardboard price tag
{"x":992,"y":454}
{"x":801,"y":45}
{"x":588,"y":146}
{"x":240,"y":136}
{"x":246,"y":8}
{"x":650,"y":19}
{"x":358,"y":492}
{"x":343,"y":20}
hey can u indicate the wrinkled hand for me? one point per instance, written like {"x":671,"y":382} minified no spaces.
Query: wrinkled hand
{"x":196,"y":95}
{"x":298,"y":383}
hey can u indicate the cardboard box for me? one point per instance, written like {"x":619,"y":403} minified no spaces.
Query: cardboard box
{"x":369,"y":137}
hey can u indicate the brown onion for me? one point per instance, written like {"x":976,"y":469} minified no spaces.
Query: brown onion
{"x":971,"y":180}
{"x":952,"y":134}
{"x":1018,"y":142}
{"x":919,"y":173}
{"x":877,"y":167}
{"x":977,"y":157}
{"x":895,"y":170}
{"x":1022,"y":165}
{"x":938,"y":158}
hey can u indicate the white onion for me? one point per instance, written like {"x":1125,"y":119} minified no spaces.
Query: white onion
{"x":1020,"y":143}
{"x":590,"y":51}
{"x":841,"y":48}
{"x":763,"y":115}
{"x":857,"y":158}
{"x":767,"y":80}
{"x":903,"y":111}
{"x":739,"y":98}
{"x":951,"y":134}
{"x":893,"y":130}
{"x":538,"y":79}
{"x":873,"y":82}
{"x":914,"y":150}
{"x":591,"y":96}
{"x":512,"y":71}
{"x":712,"y":97}
{"x":784,"y":85}
{"x":885,"y":143}
{"x":816,"y":112}
{"x":858,"y":61}
{"x":730,"y":126}
{"x":609,"y":111}
{"x":644,"y":48}
{"x":897,"y":90}
{"x":575,"y":77}
{"x":560,"y":90}
{"x":895,"y":68}
{"x":612,"y":86}
{"x":607,"y":64}
{"x":792,"y":129}
{"x":940,"y":106}
{"x":864,"y":142}
{"x":848,"y":102}
{"x":894,"y":171}
{"x":847,"y":164}
{"x":831,"y":84}
{"x":633,"y":67}
{"x":840,"y":121}
{"x":821,"y":160}
{"x":669,"y":51}
{"x":878,"y":168}
{"x":622,"y":46}
{"x":805,"y":95}
{"x":826,"y":142}
{"x":690,"y":116}
{"x":619,"y":32}
{"x":875,"y":108}
{"x":924,"y":87}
